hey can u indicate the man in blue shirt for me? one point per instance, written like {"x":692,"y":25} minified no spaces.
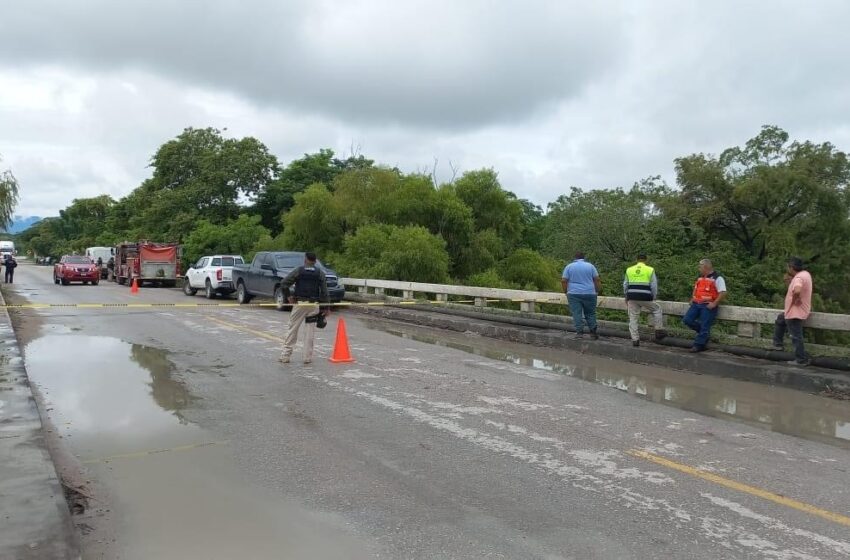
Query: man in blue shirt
{"x":580,"y":281}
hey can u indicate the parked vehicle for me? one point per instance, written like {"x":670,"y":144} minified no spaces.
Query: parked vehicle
{"x":102,"y":253}
{"x":213,"y":274}
{"x":6,"y":248}
{"x":262,"y":277}
{"x":153,"y":263}
{"x":75,"y":268}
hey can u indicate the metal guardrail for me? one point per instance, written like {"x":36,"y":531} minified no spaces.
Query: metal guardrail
{"x":749,"y":319}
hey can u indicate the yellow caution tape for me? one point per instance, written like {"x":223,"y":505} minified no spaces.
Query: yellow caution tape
{"x":228,"y":304}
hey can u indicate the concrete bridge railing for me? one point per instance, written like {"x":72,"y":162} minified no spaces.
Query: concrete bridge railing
{"x":748,"y":319}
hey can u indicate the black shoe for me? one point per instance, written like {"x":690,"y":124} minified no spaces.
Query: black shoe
{"x":578,"y":336}
{"x":660,"y":335}
{"x":695,"y":349}
{"x":593,"y":335}
{"x":636,"y":343}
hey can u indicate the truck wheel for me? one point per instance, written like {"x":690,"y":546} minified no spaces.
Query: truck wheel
{"x":208,"y":290}
{"x":95,"y":282}
{"x":64,"y":282}
{"x":279,"y":302}
{"x":55,"y":279}
{"x":242,"y":294}
{"x":188,"y":289}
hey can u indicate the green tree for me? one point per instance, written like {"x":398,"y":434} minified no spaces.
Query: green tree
{"x":528,"y":269}
{"x":8,"y":197}
{"x":314,"y":223}
{"x":770,"y":196}
{"x":533,"y":223}
{"x":238,"y":237}
{"x":492,"y":207}
{"x":364,"y":251}
{"x":484,"y":250}
{"x":417,"y":254}
{"x":83,"y":221}
{"x":451,"y":219}
{"x":609,"y":226}
{"x":772,"y":199}
{"x":489,"y":278}
{"x":322,"y":167}
{"x":390,"y":252}
{"x":199,"y":175}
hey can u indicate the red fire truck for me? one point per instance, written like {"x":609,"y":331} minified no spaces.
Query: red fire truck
{"x":153,"y":263}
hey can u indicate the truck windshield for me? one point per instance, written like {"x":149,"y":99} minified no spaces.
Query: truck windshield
{"x":228,"y":261}
{"x":78,"y":260}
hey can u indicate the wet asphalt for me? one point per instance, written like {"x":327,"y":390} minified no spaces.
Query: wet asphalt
{"x":198,"y":444}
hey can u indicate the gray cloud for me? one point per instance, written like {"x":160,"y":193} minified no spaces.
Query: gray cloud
{"x":550,"y":94}
{"x":428,"y":63}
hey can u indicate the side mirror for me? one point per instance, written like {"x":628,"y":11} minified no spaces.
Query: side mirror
{"x":268,"y":267}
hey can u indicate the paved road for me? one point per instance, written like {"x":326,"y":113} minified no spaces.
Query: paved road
{"x":198,"y":444}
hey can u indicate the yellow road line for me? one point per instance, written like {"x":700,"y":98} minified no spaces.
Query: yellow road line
{"x":147,"y":452}
{"x":245,"y":329}
{"x":741,"y":487}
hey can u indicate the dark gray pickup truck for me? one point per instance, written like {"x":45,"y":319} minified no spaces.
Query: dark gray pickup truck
{"x":263,"y":277}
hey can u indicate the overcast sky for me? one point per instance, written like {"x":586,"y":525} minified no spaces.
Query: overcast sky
{"x":551,"y":94}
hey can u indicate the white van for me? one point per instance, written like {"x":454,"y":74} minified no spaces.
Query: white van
{"x":102,"y":253}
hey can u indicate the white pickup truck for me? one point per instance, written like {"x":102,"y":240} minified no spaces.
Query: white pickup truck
{"x":213,"y":274}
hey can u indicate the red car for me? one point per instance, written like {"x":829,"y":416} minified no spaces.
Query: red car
{"x":74,"y":268}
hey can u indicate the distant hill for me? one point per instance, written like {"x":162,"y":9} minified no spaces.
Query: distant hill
{"x":20,"y":223}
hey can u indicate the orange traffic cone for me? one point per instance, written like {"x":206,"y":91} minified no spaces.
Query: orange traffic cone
{"x":134,"y":287}
{"x":341,"y":352}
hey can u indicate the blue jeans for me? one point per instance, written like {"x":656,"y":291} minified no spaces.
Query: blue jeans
{"x":700,"y":318}
{"x":583,"y":310}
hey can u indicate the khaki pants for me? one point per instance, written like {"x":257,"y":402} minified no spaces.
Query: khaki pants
{"x":296,"y":317}
{"x":651,"y":307}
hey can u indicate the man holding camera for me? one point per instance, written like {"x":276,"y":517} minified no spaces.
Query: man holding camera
{"x":311,"y":289}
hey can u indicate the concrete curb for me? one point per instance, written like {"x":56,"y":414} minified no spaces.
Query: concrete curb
{"x":35,"y":521}
{"x":709,"y":363}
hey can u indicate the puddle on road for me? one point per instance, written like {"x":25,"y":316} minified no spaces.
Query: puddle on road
{"x":165,"y":488}
{"x":778,"y":409}
{"x":109,"y":396}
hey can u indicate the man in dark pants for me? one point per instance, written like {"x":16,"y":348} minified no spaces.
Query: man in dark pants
{"x":11,"y":264}
{"x":798,"y":306}
{"x":580,"y":281}
{"x":709,"y":291}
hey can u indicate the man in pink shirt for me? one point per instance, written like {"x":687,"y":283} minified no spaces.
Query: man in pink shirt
{"x":798,"y":305}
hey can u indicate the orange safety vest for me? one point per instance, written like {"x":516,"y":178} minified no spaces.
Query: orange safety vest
{"x":705,"y":290}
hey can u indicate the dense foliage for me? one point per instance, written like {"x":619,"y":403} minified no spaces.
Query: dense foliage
{"x":748,"y":209}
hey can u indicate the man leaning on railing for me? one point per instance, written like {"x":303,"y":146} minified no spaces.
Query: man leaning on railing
{"x":798,"y":306}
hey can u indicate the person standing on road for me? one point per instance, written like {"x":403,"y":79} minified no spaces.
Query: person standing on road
{"x":311,"y":289}
{"x":798,"y":306}
{"x":640,"y":285}
{"x":11,"y":264}
{"x":709,"y":291}
{"x":580,"y":281}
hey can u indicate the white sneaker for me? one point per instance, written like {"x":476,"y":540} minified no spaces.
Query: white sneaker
{"x":283,"y":359}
